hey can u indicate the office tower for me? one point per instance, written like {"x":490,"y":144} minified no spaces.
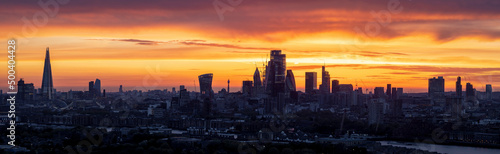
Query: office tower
{"x":359,"y":96}
{"x":325,"y":81}
{"x":489,"y":90}
{"x":91,"y":89}
{"x":182,"y":87}
{"x":469,"y":90}
{"x":335,"y":86}
{"x":458,"y":87}
{"x":173,"y":90}
{"x":25,"y":91}
{"x":97,"y":87}
{"x":104,"y":93}
{"x":311,"y":82}
{"x":183,"y":96}
{"x":388,"y":92}
{"x":47,"y":84}
{"x":228,"y":86}
{"x":121,"y":89}
{"x":275,"y":73}
{"x":290,"y":81}
{"x":247,"y":87}
{"x":394,"y":93}
{"x":206,"y":85}
{"x":436,"y":87}
{"x":256,"y":78}
{"x":379,"y":92}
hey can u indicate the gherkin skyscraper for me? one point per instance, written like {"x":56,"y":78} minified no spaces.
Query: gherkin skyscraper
{"x":47,"y":85}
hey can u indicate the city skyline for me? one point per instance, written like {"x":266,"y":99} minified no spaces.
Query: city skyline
{"x":240,"y":76}
{"x":319,"y":82}
{"x":411,"y":47}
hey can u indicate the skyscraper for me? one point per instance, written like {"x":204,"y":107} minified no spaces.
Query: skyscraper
{"x":228,"y":85}
{"x":97,"y":87}
{"x":311,"y":82}
{"x":489,"y":90}
{"x":290,"y":81}
{"x":247,"y":87}
{"x":47,"y":84}
{"x":394,"y":93}
{"x":469,"y":90}
{"x":379,"y":92}
{"x":91,"y":89}
{"x":325,"y":81}
{"x":388,"y":91}
{"x":335,"y":86}
{"x":275,"y":73}
{"x":121,"y":89}
{"x":436,"y":87}
{"x":458,"y":87}
{"x":206,"y":85}
{"x":256,"y":78}
{"x":25,"y":91}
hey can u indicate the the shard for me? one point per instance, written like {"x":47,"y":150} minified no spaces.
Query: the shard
{"x":47,"y":85}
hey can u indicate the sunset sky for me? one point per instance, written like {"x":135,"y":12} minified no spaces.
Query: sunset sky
{"x":158,"y":44}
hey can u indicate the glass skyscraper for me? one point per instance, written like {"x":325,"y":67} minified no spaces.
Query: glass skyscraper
{"x":206,"y":85}
{"x":275,"y":73}
{"x":47,"y":85}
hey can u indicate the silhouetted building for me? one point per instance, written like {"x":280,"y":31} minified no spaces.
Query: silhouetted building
{"x":469,"y":90}
{"x":47,"y":84}
{"x":346,"y":88}
{"x":400,"y":93}
{"x":121,"y":89}
{"x":394,"y":93}
{"x":290,"y":81}
{"x":379,"y":92}
{"x":335,"y":86}
{"x":458,"y":87}
{"x":489,"y":90}
{"x":311,"y":82}
{"x":97,"y":87}
{"x":91,"y":89}
{"x":325,"y":81}
{"x":275,"y":73}
{"x":183,"y":96}
{"x":388,"y":92}
{"x":256,"y":78}
{"x":206,"y":85}
{"x":25,"y":91}
{"x":291,"y":87}
{"x":247,"y":87}
{"x":436,"y":87}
